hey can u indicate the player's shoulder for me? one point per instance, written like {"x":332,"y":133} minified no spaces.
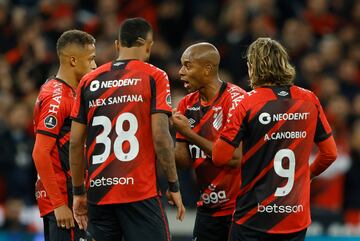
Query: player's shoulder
{"x":302,"y":93}
{"x":232,"y":88}
{"x":190,"y":98}
{"x":50,"y":86}
{"x":148,"y":69}
{"x":95,"y":73}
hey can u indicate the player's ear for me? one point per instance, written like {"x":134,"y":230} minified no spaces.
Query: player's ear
{"x":149,"y":45}
{"x":208,"y":69}
{"x":117,"y":45}
{"x":72,"y":61}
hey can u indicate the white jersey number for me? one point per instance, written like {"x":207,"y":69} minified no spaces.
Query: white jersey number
{"x":122,"y":136}
{"x":288,"y":173}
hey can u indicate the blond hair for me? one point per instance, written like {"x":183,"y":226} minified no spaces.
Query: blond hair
{"x":269,"y":64}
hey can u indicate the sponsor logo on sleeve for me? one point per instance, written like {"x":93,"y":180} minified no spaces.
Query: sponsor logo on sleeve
{"x":168,"y":100}
{"x":50,"y":122}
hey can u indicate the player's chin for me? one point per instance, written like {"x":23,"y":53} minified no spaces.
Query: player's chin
{"x":190,"y":89}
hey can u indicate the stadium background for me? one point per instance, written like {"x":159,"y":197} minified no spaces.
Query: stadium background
{"x":321,"y":36}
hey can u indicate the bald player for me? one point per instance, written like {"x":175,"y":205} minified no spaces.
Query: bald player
{"x":199,"y":119}
{"x":76,"y":52}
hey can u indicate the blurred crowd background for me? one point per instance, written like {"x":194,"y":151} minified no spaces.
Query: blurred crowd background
{"x":322,"y":38}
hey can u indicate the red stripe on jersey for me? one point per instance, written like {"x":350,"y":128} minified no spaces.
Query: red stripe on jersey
{"x":112,"y":156}
{"x":72,"y":234}
{"x":65,"y":139}
{"x":198,"y":162}
{"x":267,"y":168}
{"x":253,"y":211}
{"x":276,"y":127}
{"x":271,"y":198}
{"x":285,"y":223}
{"x":105,"y":95}
{"x":256,"y":109}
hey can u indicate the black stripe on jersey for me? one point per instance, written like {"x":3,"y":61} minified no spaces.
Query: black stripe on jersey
{"x":281,"y":92}
{"x":197,"y":111}
{"x":257,"y":129}
{"x":153,"y":94}
{"x":64,"y":157}
{"x":47,"y":133}
{"x":221,"y":91}
{"x":65,"y":127}
{"x":229,"y":142}
{"x":320,"y":132}
{"x":264,"y":155}
{"x":322,"y":137}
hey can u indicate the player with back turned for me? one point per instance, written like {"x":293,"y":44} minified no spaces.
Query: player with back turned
{"x":121,"y":114}
{"x":76,"y":51}
{"x":277,"y":123}
{"x":199,"y":119}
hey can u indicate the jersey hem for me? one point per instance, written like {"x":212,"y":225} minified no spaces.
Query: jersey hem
{"x":132,"y":201}
{"x":161,"y":111}
{"x":276,"y":232}
{"x":77,"y":120}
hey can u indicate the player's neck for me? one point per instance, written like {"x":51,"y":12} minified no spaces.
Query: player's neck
{"x":132,"y":53}
{"x":68,"y":76}
{"x":210,"y":91}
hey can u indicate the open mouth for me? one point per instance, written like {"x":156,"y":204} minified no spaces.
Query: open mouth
{"x":186,"y":84}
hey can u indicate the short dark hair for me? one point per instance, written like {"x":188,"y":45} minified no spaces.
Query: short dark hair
{"x":74,"y":36}
{"x":131,"y":30}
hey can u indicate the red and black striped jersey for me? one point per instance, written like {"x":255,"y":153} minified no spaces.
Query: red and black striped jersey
{"x":52,"y":117}
{"x":116,"y":102}
{"x":218,"y":185}
{"x":277,"y":127}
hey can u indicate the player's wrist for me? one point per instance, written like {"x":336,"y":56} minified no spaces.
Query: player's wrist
{"x":79,"y":190}
{"x":174,"y":186}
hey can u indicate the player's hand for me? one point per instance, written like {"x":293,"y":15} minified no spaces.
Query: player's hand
{"x":80,"y":210}
{"x":175,"y":198}
{"x":64,"y":217}
{"x":180,"y":122}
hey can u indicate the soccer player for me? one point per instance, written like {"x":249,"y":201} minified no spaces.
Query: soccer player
{"x":122,"y":113}
{"x":76,"y":51}
{"x":277,"y":124}
{"x":199,"y":119}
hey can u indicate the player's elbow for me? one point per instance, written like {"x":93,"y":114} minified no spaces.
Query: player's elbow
{"x":222,"y":153}
{"x":330,"y":154}
{"x":219,"y":159}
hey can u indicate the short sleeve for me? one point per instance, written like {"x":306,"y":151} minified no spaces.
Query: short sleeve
{"x":323,"y":129}
{"x":234,"y":131}
{"x":160,"y":93}
{"x":181,"y":108}
{"x":78,"y":113}
{"x":53,"y":111}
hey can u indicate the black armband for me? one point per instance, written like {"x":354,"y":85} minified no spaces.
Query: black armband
{"x":174,"y":186}
{"x":80,"y":190}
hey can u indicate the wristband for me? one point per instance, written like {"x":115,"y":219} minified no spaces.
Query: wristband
{"x":174,"y":186}
{"x":80,"y":190}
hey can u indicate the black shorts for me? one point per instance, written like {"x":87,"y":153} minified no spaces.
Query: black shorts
{"x":144,"y":220}
{"x":208,"y":228}
{"x":241,"y":233}
{"x":53,"y":233}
